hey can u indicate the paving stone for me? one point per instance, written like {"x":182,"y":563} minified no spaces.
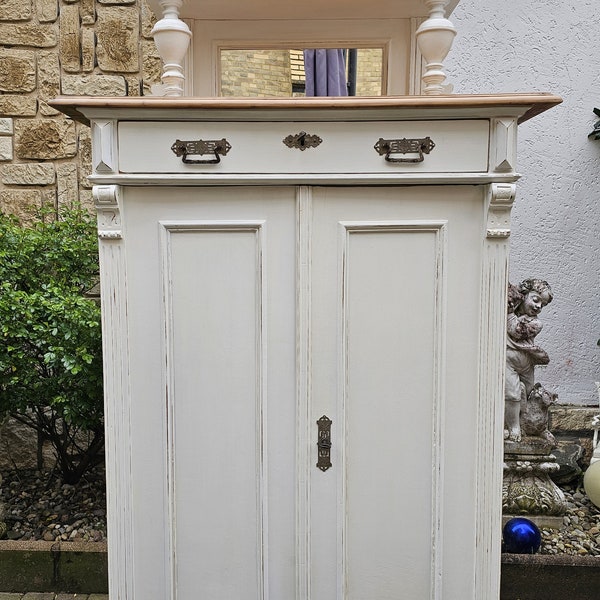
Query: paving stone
{"x":17,"y":70}
{"x":27,"y":174}
{"x":6,"y":148}
{"x":39,"y":596}
{"x":148,"y":21}
{"x":48,"y":77}
{"x":151,"y":64}
{"x":94,"y":85}
{"x":6,"y":126}
{"x":88,"y":49}
{"x":133,"y":86}
{"x":27,"y":34}
{"x":87,"y":11}
{"x":67,"y":187}
{"x":45,"y":139}
{"x":571,"y":418}
{"x":19,"y":201}
{"x":86,"y":199}
{"x":8,"y":596}
{"x":118,"y":32}
{"x":98,"y":597}
{"x":85,"y":157}
{"x":70,"y":597}
{"x":47,"y":10}
{"x":17,"y":106}
{"x":15,"y":10}
{"x":70,"y":39}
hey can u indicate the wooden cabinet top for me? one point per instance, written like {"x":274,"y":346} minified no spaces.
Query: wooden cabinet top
{"x":523,"y":106}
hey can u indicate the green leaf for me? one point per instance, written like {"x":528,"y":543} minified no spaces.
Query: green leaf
{"x":50,"y":355}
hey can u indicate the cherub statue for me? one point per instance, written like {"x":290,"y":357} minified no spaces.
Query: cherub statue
{"x":525,"y":302}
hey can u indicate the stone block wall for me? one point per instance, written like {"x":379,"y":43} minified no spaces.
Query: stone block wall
{"x":95,"y":48}
{"x":572,"y":424}
{"x":62,"y":47}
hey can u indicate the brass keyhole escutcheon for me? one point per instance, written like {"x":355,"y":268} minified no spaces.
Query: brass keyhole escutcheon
{"x":324,"y":443}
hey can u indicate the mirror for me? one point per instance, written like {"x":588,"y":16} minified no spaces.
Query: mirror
{"x":278,"y":72}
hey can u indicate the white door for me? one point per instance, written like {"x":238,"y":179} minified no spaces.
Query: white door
{"x":254,"y":312}
{"x":211,"y":287}
{"x":395,"y":302}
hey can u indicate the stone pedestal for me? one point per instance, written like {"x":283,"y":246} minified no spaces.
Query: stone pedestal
{"x":527,"y":489}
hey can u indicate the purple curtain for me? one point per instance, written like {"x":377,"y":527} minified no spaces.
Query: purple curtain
{"x":325,"y":71}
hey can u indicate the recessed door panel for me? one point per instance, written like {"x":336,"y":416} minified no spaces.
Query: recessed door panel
{"x":389,"y":316}
{"x":217,"y":408}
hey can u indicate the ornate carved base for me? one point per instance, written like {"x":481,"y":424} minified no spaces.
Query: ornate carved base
{"x":527,"y":489}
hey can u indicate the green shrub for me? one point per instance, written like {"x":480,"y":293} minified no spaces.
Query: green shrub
{"x":50,"y":355}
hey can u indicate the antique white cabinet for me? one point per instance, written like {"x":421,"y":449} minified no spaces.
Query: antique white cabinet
{"x":344,"y":258}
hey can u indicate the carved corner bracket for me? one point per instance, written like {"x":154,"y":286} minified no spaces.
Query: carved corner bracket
{"x":107,"y":199}
{"x":500,"y":203}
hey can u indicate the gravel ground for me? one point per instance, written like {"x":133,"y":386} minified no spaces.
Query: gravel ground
{"x":580,"y":533}
{"x":38,"y":506}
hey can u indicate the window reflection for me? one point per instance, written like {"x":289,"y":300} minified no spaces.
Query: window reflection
{"x":282,"y":72}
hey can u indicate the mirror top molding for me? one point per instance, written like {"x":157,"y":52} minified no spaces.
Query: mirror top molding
{"x":304,"y":9}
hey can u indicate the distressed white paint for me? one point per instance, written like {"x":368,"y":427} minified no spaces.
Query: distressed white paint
{"x":549,"y":45}
{"x":490,"y":416}
{"x":379,"y":425}
{"x":117,"y":395}
{"x":304,"y":421}
{"x":172,"y":38}
{"x":384,"y":316}
{"x":217,"y":405}
{"x":243,"y":314}
{"x":108,"y":209}
{"x":104,"y":151}
{"x":434,"y":38}
{"x":460,"y":147}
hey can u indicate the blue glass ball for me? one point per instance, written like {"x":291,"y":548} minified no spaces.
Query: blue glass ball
{"x":521,"y":536}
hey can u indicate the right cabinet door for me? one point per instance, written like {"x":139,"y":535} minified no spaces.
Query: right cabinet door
{"x":394,"y":284}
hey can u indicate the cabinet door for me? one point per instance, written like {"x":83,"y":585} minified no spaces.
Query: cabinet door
{"x":394,"y":294}
{"x":252,"y":313}
{"x":211,"y":295}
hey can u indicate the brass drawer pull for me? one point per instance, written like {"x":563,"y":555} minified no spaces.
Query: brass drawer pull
{"x":201,"y":147}
{"x":404,"y":146}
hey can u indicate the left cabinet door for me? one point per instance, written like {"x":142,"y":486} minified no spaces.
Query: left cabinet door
{"x":211,"y":309}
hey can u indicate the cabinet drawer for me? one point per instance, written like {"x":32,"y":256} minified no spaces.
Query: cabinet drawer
{"x":345,"y":147}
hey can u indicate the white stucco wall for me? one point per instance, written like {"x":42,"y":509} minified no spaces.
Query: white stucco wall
{"x":550,"y":46}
